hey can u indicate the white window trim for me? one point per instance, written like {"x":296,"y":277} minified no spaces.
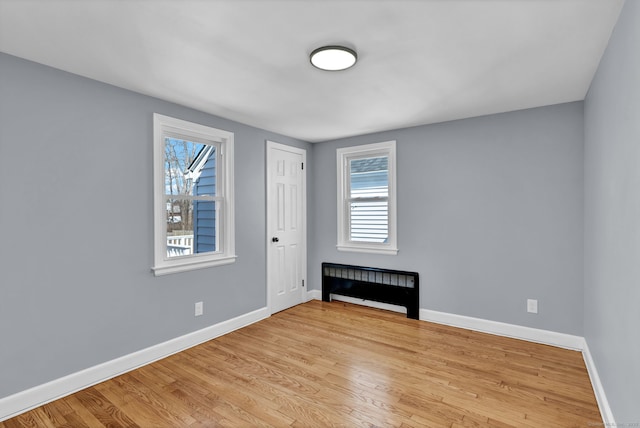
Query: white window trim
{"x":163,"y":125}
{"x":343,"y":155}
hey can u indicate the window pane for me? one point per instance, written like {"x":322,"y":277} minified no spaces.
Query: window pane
{"x":369,"y":177}
{"x":205,"y":226}
{"x":369,"y":221}
{"x":179,"y":228}
{"x":191,"y":227}
{"x":190,"y":168}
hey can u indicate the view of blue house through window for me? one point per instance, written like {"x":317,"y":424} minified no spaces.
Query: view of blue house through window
{"x":193,"y":196}
{"x":369,"y":199}
{"x":190,"y":190}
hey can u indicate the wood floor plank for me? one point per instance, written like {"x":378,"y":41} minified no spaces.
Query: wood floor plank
{"x":103,"y":409}
{"x":337,"y":364}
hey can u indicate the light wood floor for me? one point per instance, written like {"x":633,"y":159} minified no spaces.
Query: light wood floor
{"x":335,"y":364}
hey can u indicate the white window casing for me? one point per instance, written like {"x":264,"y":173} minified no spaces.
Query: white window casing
{"x":366,"y":198}
{"x":224,"y":252}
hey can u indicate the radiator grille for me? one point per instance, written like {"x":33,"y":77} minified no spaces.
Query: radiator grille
{"x":381,"y":285}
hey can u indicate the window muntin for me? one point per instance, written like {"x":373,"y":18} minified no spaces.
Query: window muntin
{"x":366,"y":198}
{"x":193,"y":196}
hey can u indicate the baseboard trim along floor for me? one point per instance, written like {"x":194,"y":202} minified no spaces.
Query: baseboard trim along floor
{"x":562,"y":340}
{"x":598,"y":389}
{"x":29,"y":399}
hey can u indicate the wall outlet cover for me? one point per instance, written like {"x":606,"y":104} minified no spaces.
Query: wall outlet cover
{"x":199,"y":308}
{"x":532,"y":306}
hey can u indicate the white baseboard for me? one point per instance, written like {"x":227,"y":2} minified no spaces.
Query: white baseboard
{"x":23,"y":401}
{"x":562,"y":340}
{"x":530,"y":334}
{"x":20,"y":402}
{"x":314,"y":295}
{"x":598,"y":389}
{"x":546,"y":337}
{"x":478,"y":324}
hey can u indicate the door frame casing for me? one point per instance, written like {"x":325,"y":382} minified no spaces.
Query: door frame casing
{"x":270,"y":145}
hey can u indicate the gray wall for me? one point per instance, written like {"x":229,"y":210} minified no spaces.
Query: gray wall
{"x":76,"y":227}
{"x":612,"y":217}
{"x":490,"y":213}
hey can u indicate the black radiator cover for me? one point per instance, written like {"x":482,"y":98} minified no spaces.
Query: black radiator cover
{"x":355,"y":281}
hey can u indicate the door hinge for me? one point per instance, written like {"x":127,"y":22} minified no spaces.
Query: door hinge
{"x":302,"y":165}
{"x":303,"y":282}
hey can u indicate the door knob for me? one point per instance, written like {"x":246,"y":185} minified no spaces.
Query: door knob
{"x":275,"y":239}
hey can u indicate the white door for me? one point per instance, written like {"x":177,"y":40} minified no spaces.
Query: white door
{"x":286,"y":226}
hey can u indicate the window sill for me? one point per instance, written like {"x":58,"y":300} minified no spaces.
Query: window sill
{"x":366,"y":249}
{"x":185,"y":266}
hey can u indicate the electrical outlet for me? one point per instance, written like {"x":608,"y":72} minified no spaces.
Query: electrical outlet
{"x":532,"y":306}
{"x":199,"y":308}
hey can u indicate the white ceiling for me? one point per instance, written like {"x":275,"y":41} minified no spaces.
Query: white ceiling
{"x":247,"y":60}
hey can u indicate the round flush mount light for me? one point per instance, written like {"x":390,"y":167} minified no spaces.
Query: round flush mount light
{"x":333,"y":58}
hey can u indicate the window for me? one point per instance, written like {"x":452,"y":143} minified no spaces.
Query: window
{"x":193,"y":196}
{"x":367,"y":198}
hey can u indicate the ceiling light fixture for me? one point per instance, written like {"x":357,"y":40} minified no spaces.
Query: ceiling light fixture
{"x":333,"y":58}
